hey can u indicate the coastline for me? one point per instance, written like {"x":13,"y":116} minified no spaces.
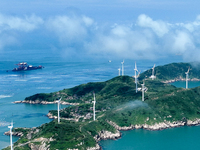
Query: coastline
{"x":105,"y":135}
{"x":44,"y":102}
{"x":157,"y":126}
{"x":180,"y":79}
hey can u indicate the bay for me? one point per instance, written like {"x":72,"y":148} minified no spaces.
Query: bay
{"x":182,"y":138}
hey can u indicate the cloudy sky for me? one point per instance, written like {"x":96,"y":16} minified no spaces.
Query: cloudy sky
{"x":128,"y":29}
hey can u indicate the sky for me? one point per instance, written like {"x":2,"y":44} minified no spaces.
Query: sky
{"x":127,"y":29}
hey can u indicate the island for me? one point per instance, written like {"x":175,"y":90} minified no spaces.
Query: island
{"x":118,"y":107}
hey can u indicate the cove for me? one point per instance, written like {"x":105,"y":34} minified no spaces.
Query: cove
{"x":183,"y":138}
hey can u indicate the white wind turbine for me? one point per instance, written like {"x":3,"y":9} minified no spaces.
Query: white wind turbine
{"x":122,"y":67}
{"x":187,"y":77}
{"x":152,"y":76}
{"x":143,"y":91}
{"x":136,"y":76}
{"x":59,"y":109}
{"x":94,"y":102}
{"x":119,"y":71}
{"x":10,"y":127}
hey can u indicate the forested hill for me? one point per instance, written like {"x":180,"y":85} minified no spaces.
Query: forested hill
{"x":173,"y":71}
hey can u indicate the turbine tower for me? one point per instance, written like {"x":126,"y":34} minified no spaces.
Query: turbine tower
{"x":143,"y":91}
{"x":136,"y":76}
{"x":59,"y":109}
{"x":94,"y":102}
{"x":152,"y":76}
{"x":10,"y":127}
{"x":122,"y":67}
{"x":187,"y":77}
{"x":119,"y":71}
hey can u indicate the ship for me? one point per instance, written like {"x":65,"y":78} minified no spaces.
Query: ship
{"x":23,"y":66}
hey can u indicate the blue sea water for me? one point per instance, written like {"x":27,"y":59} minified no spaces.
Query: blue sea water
{"x":59,"y":73}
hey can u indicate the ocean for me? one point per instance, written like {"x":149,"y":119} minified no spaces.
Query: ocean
{"x":59,"y":73}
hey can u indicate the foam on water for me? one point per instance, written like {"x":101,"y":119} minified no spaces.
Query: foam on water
{"x":18,"y":80}
{"x":4,"y":96}
{"x":44,"y":88}
{"x":4,"y":123}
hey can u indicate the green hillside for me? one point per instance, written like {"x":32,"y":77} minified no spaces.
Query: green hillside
{"x":173,"y":71}
{"x":116,"y":101}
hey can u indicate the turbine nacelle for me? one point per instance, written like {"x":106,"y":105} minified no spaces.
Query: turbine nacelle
{"x":153,"y":76}
{"x":11,"y":126}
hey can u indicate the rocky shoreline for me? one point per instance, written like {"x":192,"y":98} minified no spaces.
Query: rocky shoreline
{"x":157,"y":126}
{"x":180,"y":79}
{"x":104,"y":135}
{"x":44,"y":102}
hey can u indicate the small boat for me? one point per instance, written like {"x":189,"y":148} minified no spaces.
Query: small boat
{"x":23,"y":66}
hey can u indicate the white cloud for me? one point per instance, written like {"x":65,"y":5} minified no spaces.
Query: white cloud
{"x":123,"y":41}
{"x":182,"y":42}
{"x":12,"y":26}
{"x":22,"y":24}
{"x":191,"y":26}
{"x":78,"y":34}
{"x":159,"y":27}
{"x":70,"y":28}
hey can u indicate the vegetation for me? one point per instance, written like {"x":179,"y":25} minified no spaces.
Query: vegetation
{"x":117,"y":101}
{"x":173,"y":71}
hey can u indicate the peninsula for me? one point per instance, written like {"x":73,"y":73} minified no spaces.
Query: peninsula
{"x":118,"y":107}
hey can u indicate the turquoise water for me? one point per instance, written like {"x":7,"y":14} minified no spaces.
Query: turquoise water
{"x":182,"y":138}
{"x":191,"y":84}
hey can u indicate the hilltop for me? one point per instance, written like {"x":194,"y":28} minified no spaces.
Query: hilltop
{"x":173,"y":71}
{"x":118,"y":107}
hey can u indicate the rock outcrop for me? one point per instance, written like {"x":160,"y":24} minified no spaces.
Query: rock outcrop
{"x":19,"y":134}
{"x":97,"y":147}
{"x":157,"y":126}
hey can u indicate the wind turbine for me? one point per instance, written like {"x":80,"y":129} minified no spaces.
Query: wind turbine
{"x":94,"y":107}
{"x":119,"y":71}
{"x":10,"y":127}
{"x":152,"y":76}
{"x":122,"y":67}
{"x":143,"y":91}
{"x":136,"y":76}
{"x":59,"y":109}
{"x":187,"y":77}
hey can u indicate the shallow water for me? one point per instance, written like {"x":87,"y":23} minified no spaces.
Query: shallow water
{"x":182,"y":138}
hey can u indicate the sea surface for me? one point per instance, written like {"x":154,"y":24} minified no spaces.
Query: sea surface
{"x":59,"y":73}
